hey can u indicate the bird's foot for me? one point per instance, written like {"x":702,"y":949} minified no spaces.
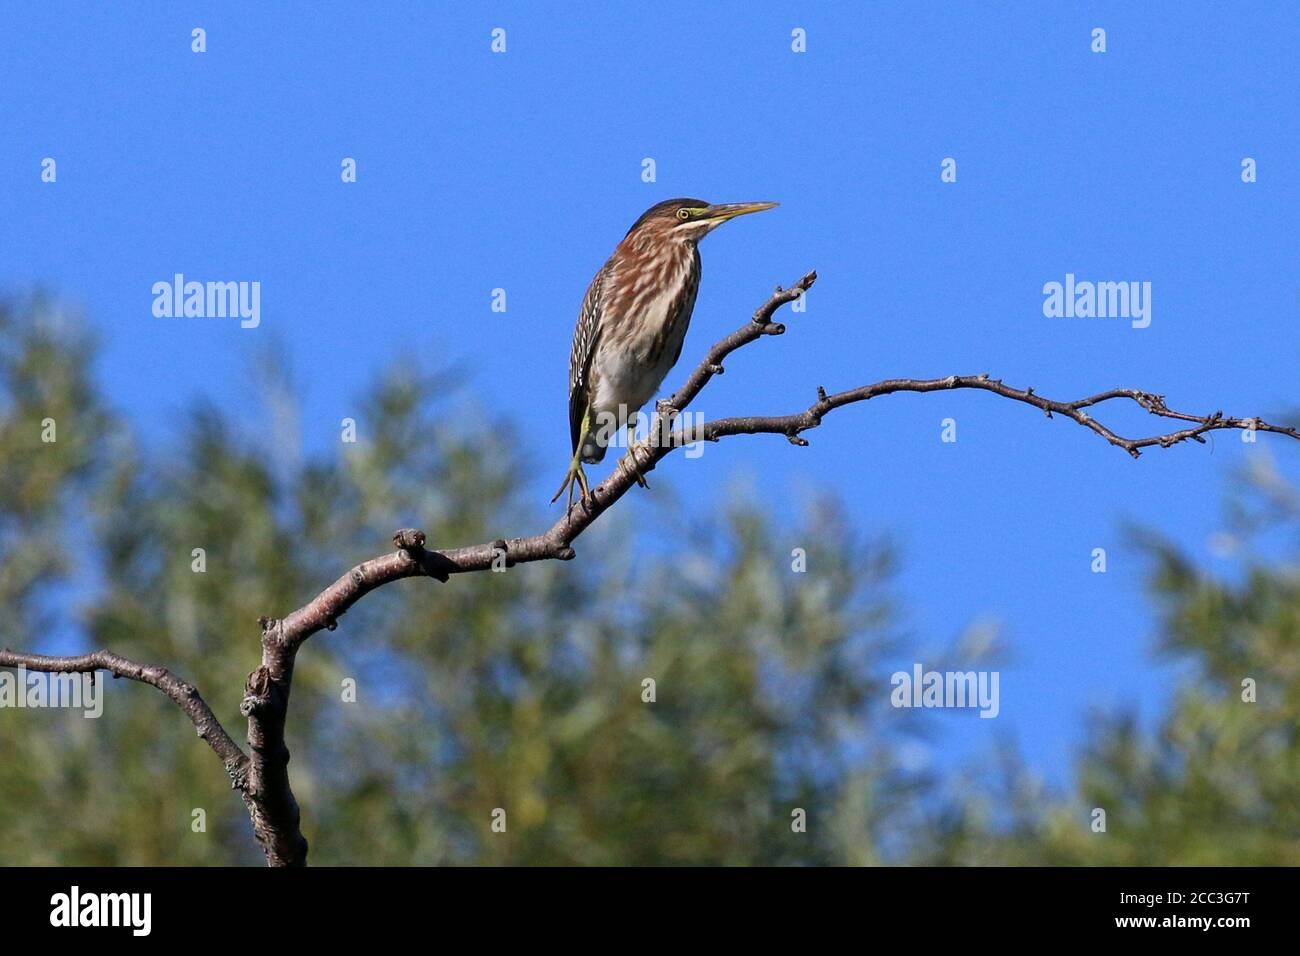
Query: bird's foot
{"x":575,"y":479}
{"x":631,"y":464}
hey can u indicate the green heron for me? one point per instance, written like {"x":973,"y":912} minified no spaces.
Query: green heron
{"x":632,"y":324}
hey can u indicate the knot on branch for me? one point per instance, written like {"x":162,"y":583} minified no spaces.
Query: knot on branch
{"x":666,"y":410}
{"x":257,"y":692}
{"x":409,"y":539}
{"x":1149,"y":402}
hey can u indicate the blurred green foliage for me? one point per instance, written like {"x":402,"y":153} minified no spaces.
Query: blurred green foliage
{"x":523,"y":690}
{"x":1218,"y":781}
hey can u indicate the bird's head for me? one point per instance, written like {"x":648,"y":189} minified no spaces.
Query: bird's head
{"x":687,"y":220}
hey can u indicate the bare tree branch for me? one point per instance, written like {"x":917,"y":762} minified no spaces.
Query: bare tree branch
{"x":792,"y":425}
{"x":275,"y":814}
{"x":267,"y":791}
{"x":182,"y":693}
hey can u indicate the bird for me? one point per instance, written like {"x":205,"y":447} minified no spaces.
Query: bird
{"x":632,"y":323}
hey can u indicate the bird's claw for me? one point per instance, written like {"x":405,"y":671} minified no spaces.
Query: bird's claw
{"x":576,"y":478}
{"x":631,"y":464}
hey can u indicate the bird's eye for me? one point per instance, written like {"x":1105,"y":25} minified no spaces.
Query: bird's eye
{"x":683,"y":214}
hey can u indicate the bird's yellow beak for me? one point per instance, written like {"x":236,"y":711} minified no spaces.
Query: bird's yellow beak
{"x":721,"y":213}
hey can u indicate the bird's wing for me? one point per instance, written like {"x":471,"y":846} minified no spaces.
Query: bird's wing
{"x":584,"y":349}
{"x":688,"y":307}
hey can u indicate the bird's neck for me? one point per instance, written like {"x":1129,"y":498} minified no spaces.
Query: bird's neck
{"x":671,"y":248}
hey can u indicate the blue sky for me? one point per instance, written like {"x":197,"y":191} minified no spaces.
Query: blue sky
{"x":521,"y":170}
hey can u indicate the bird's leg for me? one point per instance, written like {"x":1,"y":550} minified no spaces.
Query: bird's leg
{"x":576,"y":477}
{"x":629,"y":462}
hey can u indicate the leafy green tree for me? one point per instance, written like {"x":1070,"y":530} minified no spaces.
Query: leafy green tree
{"x":1218,"y":781}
